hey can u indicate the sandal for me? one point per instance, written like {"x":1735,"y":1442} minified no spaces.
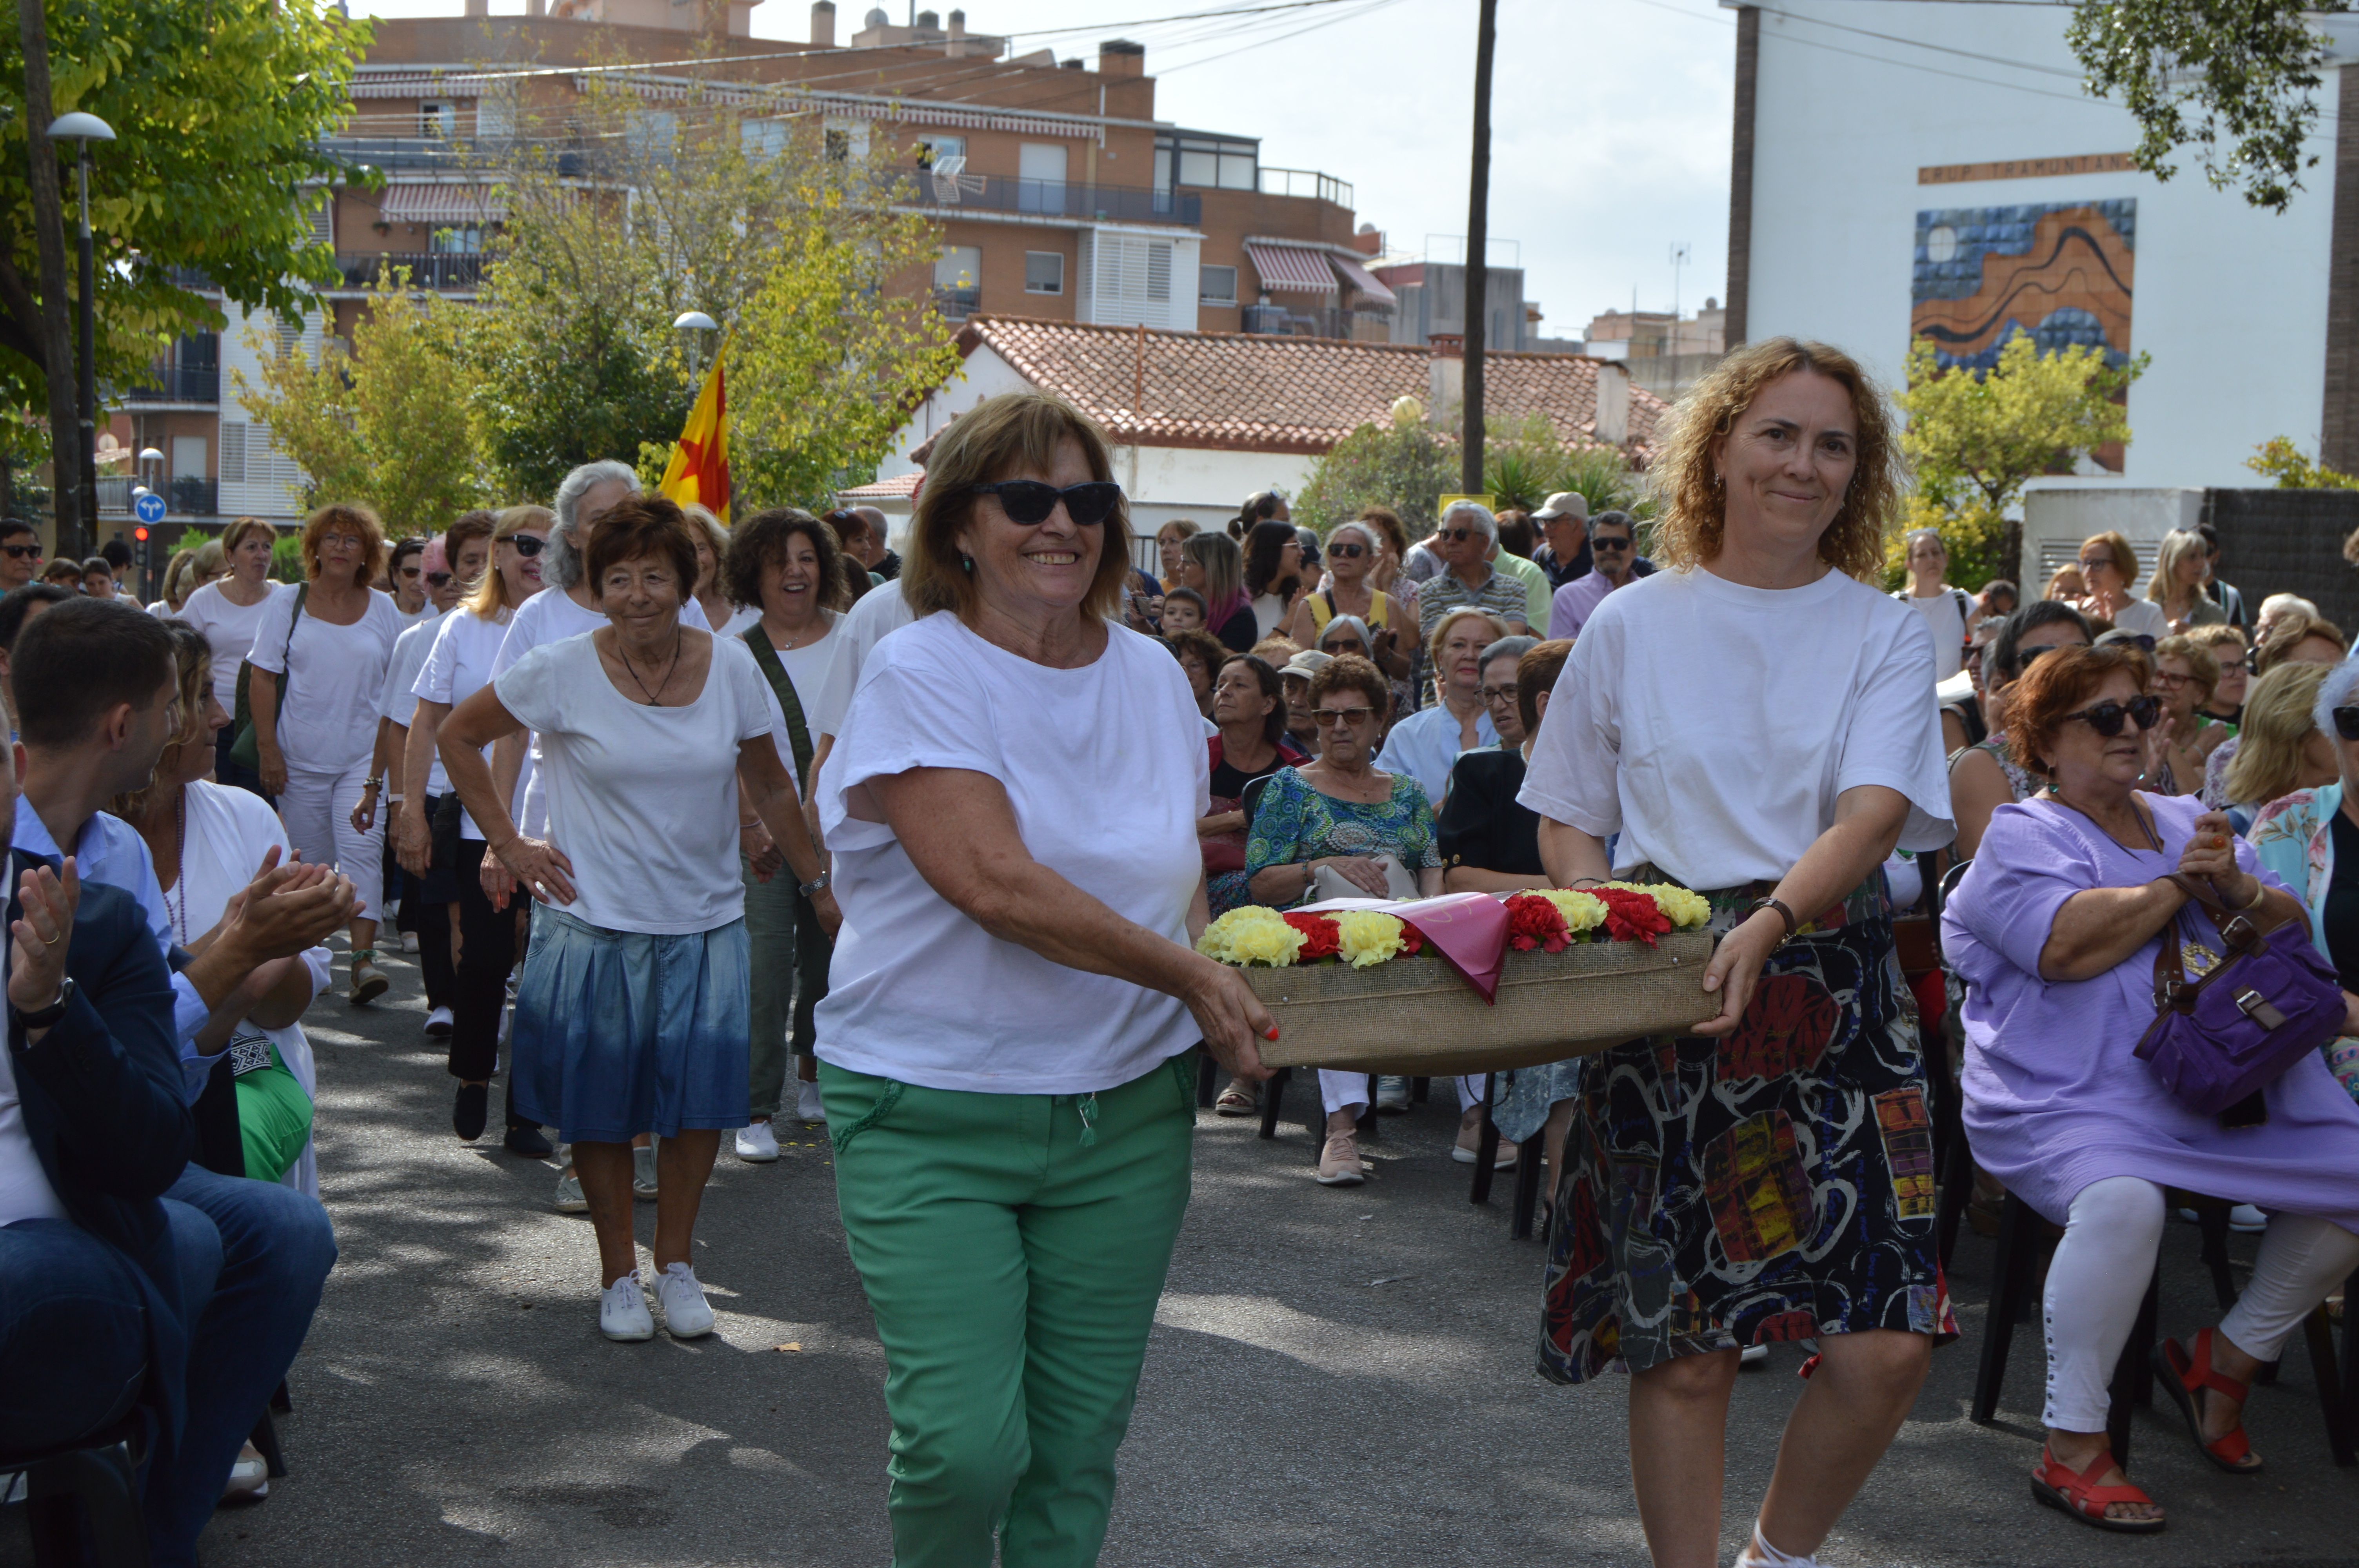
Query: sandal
{"x":1237,"y":1099}
{"x":2182,"y":1377}
{"x":2077,"y":1492}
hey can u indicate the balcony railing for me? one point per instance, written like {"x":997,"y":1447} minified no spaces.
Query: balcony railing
{"x":1053,"y":198}
{"x":1366,"y":326}
{"x":1307,"y":182}
{"x":427,"y":269}
{"x":958,"y":304}
{"x":183,"y":497}
{"x":169,"y":383}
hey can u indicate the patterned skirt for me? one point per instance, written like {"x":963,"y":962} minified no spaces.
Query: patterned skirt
{"x":1773,"y":1184}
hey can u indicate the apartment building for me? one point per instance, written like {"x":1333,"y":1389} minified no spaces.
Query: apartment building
{"x":1058,"y":193}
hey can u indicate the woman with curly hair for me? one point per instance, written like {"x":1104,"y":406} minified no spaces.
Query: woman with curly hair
{"x":1767,"y":1174}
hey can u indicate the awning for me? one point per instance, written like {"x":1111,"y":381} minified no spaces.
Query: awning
{"x":1291,"y":267}
{"x":442,"y":205}
{"x":1363,"y":280}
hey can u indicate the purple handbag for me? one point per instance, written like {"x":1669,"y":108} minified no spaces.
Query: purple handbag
{"x":2222,"y":1039}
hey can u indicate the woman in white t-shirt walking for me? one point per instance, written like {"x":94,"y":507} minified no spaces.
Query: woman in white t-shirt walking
{"x":319,"y":658}
{"x":226,"y":610}
{"x":1766,"y":1175}
{"x":1007,"y":1045}
{"x":1951,"y":613}
{"x":457,"y":666}
{"x":784,"y":567}
{"x":631,"y":1015}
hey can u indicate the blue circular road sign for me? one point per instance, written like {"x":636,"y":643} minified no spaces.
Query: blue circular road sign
{"x":149,"y":508}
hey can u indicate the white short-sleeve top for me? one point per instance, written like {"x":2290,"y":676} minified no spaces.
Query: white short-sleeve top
{"x":457,"y":666}
{"x":642,"y":801}
{"x":229,"y":629}
{"x":332,"y":678}
{"x":1108,"y":772}
{"x":1713,"y":725}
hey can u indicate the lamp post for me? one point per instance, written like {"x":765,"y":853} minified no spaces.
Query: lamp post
{"x":83,"y":129}
{"x":694,"y":322}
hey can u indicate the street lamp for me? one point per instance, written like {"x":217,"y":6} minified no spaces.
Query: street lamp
{"x":689,"y":321}
{"x":83,"y":129}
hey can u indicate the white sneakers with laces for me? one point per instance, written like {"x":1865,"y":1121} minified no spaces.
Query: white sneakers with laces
{"x":623,"y":1310}
{"x":686,"y":1312}
{"x":757,"y":1144}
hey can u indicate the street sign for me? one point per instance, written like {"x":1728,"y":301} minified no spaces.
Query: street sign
{"x":149,"y":507}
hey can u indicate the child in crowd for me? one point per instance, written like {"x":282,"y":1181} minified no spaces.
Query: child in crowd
{"x":1183,"y":610}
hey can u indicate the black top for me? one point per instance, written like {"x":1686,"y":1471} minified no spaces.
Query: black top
{"x":1239,"y":632}
{"x":1229,"y":780}
{"x":2343,"y":903}
{"x":1482,"y":825}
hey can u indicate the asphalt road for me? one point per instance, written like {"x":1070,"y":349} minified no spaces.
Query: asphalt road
{"x":1336,"y":1378}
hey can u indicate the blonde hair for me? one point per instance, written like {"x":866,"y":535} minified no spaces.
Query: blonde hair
{"x":2200,"y":662}
{"x":1442,"y":633}
{"x":2278,"y":719}
{"x":2177,"y":546}
{"x":2064,"y":581}
{"x":2219,"y":634}
{"x":1687,"y":480}
{"x":491,"y":595}
{"x":701,"y":518}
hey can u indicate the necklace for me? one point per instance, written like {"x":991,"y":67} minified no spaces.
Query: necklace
{"x":179,"y":910}
{"x":816,"y":630}
{"x":624,"y":655}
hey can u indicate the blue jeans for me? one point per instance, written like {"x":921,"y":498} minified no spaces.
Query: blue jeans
{"x":73,"y":1335}
{"x":274,"y":1247}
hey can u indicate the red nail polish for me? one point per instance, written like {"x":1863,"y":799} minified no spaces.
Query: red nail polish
{"x":1273,"y":1032}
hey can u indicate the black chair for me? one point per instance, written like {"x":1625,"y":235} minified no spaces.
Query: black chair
{"x":1525,"y":1202}
{"x":1249,"y":801}
{"x":1953,"y":1162}
{"x":82,"y":1492}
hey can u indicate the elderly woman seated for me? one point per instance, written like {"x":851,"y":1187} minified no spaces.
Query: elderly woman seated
{"x":2054,"y":931}
{"x":1983,"y":776}
{"x":1426,"y":742}
{"x":2290,"y":632}
{"x":2185,"y":675}
{"x":2309,"y":836}
{"x":1339,"y":828}
{"x":2280,"y":747}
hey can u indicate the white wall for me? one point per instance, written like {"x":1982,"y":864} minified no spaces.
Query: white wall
{"x":2229,"y":300}
{"x":256,"y":478}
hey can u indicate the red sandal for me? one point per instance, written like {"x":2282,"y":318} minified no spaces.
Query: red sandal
{"x":2182,"y":1375}
{"x":2077,"y":1492}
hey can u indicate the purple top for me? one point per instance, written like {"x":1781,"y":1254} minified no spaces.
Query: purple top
{"x":2054,"y":1100}
{"x":1571,"y":605}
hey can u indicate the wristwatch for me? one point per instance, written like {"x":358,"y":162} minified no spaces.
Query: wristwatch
{"x":814,"y":887}
{"x":44,"y":1018}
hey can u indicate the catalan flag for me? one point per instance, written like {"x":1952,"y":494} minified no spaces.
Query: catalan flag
{"x":699,"y":470}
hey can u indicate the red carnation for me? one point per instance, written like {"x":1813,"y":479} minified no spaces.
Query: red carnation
{"x":1631,"y":915}
{"x":1536,"y":923}
{"x":1320,"y":939}
{"x":1412,"y":941}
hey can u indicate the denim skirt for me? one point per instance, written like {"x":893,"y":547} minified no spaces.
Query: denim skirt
{"x":619,"y":1032}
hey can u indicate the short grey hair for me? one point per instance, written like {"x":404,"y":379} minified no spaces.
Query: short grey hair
{"x":1352,"y":624}
{"x":1505,"y":648}
{"x":1479,"y":513}
{"x":2341,"y":685}
{"x":1364,"y":530}
{"x":561,"y":563}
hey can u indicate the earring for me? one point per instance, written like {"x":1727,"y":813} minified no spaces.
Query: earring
{"x":966,"y":564}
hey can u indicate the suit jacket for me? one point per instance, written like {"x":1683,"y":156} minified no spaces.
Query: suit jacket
{"x":103,"y":1107}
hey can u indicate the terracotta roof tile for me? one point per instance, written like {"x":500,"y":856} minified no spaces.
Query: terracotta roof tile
{"x":1249,"y":392}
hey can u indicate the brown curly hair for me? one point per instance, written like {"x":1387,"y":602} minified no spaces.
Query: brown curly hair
{"x":1684,"y":476}
{"x":1349,"y":672}
{"x":2057,"y":685}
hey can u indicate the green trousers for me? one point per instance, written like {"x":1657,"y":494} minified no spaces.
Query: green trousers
{"x":1013,"y":1247}
{"x":788,"y":954}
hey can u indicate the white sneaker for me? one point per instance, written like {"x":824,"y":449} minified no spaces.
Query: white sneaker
{"x":1752,"y":1356}
{"x":1392,"y":1095}
{"x":643,"y":1174}
{"x":623,"y":1310}
{"x":686,"y":1312}
{"x":806,"y":1104}
{"x":410,"y":941}
{"x":569,"y":1193}
{"x":2245,"y":1218}
{"x":438,"y":1023}
{"x":757,"y":1145}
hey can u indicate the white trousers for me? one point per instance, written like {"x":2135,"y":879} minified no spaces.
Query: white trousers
{"x":1349,"y":1091}
{"x":2098,"y":1281}
{"x":316,"y":811}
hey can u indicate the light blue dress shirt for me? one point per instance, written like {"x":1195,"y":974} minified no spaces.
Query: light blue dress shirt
{"x":1425,"y":744}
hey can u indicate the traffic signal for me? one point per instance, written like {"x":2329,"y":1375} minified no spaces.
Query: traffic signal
{"x":139,"y":546}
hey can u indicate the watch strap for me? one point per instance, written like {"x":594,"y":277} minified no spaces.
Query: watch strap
{"x":44,"y":1018}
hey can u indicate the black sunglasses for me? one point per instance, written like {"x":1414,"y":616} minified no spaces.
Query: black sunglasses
{"x":19,"y":552}
{"x":1347,"y":552}
{"x":526,"y":544}
{"x":1029,"y":502}
{"x":1460,"y":536}
{"x":439,"y":579}
{"x":2346,"y":723}
{"x":2107,"y":718}
{"x":1597,"y":544}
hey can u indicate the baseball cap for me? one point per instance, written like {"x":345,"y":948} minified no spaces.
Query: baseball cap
{"x":1563,"y":503}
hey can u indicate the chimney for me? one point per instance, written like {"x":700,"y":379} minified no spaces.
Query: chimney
{"x":930,"y":22}
{"x":952,"y":46}
{"x":822,"y":27}
{"x":1071,"y":65}
{"x":1120,"y":57}
{"x":536,"y":8}
{"x":1612,"y":403}
{"x":479,"y":7}
{"x":1445,"y":372}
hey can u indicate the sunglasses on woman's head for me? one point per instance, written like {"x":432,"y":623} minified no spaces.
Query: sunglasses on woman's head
{"x":2346,"y":723}
{"x":1029,"y":502}
{"x":526,"y":544}
{"x":2107,"y":718}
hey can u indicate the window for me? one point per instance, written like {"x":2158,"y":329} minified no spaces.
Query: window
{"x":1044,"y":272}
{"x":1216,"y":285}
{"x":460,"y":239}
{"x":762,"y":138}
{"x":932,"y":147}
{"x":438,"y":120}
{"x":846,"y":140}
{"x":650,"y":134}
{"x":958,"y":281}
{"x":1206,"y":161}
{"x":1041,"y":176}
{"x":839,"y":146}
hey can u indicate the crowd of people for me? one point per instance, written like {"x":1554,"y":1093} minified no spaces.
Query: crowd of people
{"x":696,"y":828}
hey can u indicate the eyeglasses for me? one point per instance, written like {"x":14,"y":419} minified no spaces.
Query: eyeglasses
{"x":2145,"y":639}
{"x":1344,"y":645}
{"x":1499,"y":693}
{"x":1596,"y":544}
{"x":1029,"y":502}
{"x":2096,"y":563}
{"x":348,"y":541}
{"x":526,"y":544}
{"x":1351,"y":717}
{"x":1460,"y":536}
{"x":1347,"y":552}
{"x":19,"y":552}
{"x":437,"y":579}
{"x":2107,"y":718}
{"x":2346,"y":723}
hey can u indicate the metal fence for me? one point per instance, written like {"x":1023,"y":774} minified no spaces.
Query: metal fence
{"x":169,"y":383}
{"x":1306,"y":182}
{"x":183,"y":497}
{"x":427,"y":269}
{"x":946,"y":193}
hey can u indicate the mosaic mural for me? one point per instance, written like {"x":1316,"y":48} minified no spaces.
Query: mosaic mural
{"x":2059,"y":272}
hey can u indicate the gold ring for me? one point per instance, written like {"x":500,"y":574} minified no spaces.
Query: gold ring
{"x":53,"y":941}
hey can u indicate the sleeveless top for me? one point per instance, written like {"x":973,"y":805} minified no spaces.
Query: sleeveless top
{"x":1322,"y":610}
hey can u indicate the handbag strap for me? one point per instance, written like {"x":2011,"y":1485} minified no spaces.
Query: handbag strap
{"x":2238,"y":930}
{"x":783,"y":688}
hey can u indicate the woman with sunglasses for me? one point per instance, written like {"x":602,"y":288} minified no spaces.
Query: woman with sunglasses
{"x":1759,"y":641}
{"x":1984,"y":776}
{"x":1353,"y":551}
{"x":2108,"y":571}
{"x":2309,"y":836}
{"x":1008,"y":1047}
{"x":466,"y":645}
{"x":2054,"y":931}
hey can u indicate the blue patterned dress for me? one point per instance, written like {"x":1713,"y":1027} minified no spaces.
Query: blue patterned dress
{"x":1295,"y":823}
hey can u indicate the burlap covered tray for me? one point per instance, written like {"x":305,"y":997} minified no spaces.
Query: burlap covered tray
{"x":1415,"y":1016}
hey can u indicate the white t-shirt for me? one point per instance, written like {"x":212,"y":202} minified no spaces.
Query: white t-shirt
{"x":1945,"y":620}
{"x":1268,"y":611}
{"x":807,"y":670}
{"x":1712,"y":725}
{"x":880,"y":613}
{"x":2143,"y":615}
{"x":228,"y":627}
{"x":643,"y":801}
{"x":456,"y":667}
{"x":328,"y":701}
{"x":25,"y":1190}
{"x":417,"y":617}
{"x":410,"y":651}
{"x":745,"y":615}
{"x":919,"y":992}
{"x":551,"y":616}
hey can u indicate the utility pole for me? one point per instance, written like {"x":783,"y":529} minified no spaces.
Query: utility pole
{"x":57,"y":332}
{"x":1478,"y":242}
{"x":1679,"y":259}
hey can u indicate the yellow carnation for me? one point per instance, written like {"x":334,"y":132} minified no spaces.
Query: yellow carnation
{"x":1582,"y":911}
{"x":1366,"y":936}
{"x":1251,"y":936}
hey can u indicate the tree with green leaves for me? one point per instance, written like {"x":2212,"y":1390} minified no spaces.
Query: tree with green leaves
{"x":1406,"y":467}
{"x":388,"y":421}
{"x":2288,"y":466}
{"x":1974,"y":438}
{"x":218,"y":111}
{"x":2238,"y":80}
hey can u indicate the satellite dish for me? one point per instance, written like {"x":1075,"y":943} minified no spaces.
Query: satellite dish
{"x":951,"y":179}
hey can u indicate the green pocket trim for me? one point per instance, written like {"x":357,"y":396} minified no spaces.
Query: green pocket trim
{"x":885,"y":1101}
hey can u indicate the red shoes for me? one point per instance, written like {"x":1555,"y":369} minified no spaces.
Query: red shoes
{"x":2077,"y":1492}
{"x":2182,"y":1376}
